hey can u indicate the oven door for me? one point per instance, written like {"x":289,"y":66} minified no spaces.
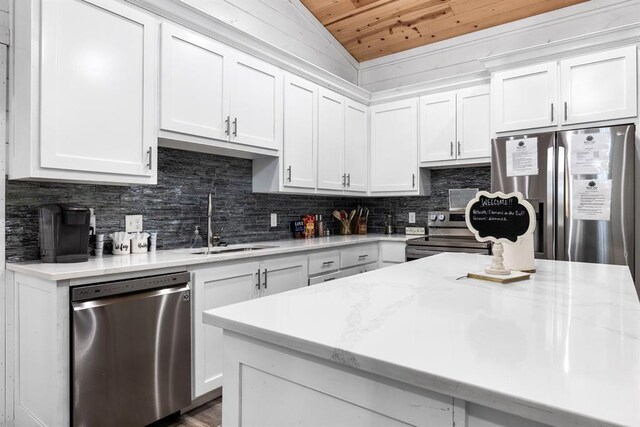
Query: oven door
{"x":416,"y":252}
{"x":413,"y":252}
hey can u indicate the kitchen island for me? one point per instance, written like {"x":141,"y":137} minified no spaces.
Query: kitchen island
{"x":419,"y":344}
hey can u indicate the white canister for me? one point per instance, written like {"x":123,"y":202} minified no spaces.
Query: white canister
{"x":121,"y":247}
{"x":519,"y":256}
{"x":121,"y":243}
{"x":139,"y":243}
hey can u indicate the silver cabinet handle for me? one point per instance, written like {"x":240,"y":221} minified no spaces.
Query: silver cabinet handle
{"x":565,"y":111}
{"x":344,"y":179}
{"x":150,"y":154}
{"x":348,"y":180}
{"x":235,"y":126}
{"x":227,"y":126}
{"x":327,"y":263}
{"x":265,"y":278}
{"x":258,"y":284}
{"x":289,"y":174}
{"x":451,"y":151}
{"x":459,"y":150}
{"x":330,"y":278}
{"x":552,"y":112}
{"x":413,"y":180}
{"x":363,"y":256}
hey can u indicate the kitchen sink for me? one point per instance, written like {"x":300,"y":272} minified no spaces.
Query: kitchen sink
{"x":219,"y":250}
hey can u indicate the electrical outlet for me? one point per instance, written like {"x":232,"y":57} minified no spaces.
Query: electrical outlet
{"x":274,"y":219}
{"x":132,"y":223}
{"x":412,"y":217}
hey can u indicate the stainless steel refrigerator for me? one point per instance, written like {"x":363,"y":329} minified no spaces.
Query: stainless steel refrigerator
{"x":581,"y":184}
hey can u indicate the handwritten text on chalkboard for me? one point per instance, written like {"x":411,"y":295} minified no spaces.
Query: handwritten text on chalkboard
{"x":500,"y":216}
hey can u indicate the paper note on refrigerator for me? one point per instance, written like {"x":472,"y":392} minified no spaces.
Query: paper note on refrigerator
{"x":522,"y":157}
{"x":591,"y":199}
{"x":590,"y":154}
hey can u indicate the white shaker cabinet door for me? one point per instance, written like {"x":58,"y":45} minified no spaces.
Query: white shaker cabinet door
{"x":394,"y":146}
{"x":438,"y":127}
{"x":255,"y":102}
{"x":473,"y":123}
{"x":525,"y":98}
{"x":98,"y":87}
{"x":283,"y":274}
{"x":599,"y":86}
{"x":331,"y":140}
{"x":300,"y":132}
{"x":216,"y":287}
{"x":194,"y":95}
{"x":356,"y":151}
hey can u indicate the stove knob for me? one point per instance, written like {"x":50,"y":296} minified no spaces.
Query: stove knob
{"x":432,"y":217}
{"x":441,"y":217}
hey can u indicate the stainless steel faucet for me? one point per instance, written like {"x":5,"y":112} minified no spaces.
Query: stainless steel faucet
{"x":209,"y":227}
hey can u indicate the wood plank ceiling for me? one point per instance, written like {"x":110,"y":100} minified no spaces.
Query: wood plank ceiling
{"x":370,"y":29}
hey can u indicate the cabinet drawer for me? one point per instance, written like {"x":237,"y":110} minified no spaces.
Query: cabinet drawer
{"x":358,"y":255}
{"x":324,"y":262}
{"x":325,"y":278}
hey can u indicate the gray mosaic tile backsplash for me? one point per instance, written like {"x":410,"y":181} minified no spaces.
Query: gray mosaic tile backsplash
{"x":179,"y":202}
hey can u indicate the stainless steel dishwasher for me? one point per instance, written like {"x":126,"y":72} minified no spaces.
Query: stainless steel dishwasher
{"x":130,"y":350}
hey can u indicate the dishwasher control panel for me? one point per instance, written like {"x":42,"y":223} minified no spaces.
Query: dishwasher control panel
{"x":107,"y":289}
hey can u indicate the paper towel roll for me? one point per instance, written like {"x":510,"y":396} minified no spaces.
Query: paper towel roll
{"x":519,"y":256}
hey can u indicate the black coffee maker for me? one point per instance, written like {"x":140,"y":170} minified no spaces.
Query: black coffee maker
{"x":64,"y":233}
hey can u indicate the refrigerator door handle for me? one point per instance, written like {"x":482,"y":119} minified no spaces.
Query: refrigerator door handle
{"x":550,"y":206}
{"x":561,"y":250}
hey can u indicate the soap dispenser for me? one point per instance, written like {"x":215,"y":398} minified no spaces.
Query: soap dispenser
{"x":196,"y":240}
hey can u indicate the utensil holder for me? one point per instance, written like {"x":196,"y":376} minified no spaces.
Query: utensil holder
{"x":345,"y":227}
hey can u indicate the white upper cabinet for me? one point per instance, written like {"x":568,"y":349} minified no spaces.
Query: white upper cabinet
{"x":255,"y":102}
{"x":356,"y":152}
{"x":331,"y":140}
{"x":590,"y":88}
{"x":438,"y":127}
{"x":525,"y":98}
{"x":473,"y":123}
{"x":455,"y":126}
{"x":599,"y":86}
{"x":213,"y":91}
{"x":342,"y":143}
{"x":84,"y":92}
{"x":194,"y":97}
{"x":394,"y":147}
{"x":300,"y":132}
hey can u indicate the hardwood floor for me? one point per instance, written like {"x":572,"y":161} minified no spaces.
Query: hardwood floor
{"x":207,"y":415}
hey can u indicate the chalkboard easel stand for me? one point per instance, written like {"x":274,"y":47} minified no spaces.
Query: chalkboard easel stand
{"x":497,"y":261}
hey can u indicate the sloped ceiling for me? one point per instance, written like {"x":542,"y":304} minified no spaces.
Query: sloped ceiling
{"x":369,"y":29}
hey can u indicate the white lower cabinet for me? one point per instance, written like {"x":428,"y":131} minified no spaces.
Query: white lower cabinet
{"x":325,"y":266}
{"x":217,"y":286}
{"x":392,"y":253}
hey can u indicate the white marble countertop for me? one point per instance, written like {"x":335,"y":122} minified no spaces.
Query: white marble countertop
{"x":562,"y":347}
{"x":113,"y":264}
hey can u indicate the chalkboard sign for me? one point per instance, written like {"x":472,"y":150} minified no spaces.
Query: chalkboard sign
{"x":499,"y":217}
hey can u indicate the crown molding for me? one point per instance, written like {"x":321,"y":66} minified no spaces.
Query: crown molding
{"x":600,"y":40}
{"x":200,"y":21}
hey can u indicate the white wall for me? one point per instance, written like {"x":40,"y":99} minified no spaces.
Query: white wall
{"x":461,"y":55}
{"x":286,"y":24}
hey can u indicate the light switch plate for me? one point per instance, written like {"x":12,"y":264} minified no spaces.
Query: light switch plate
{"x":132,"y":223}
{"x":412,"y":217}
{"x":274,"y":219}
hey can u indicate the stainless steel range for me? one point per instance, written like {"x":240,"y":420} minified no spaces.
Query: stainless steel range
{"x":447,"y":232}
